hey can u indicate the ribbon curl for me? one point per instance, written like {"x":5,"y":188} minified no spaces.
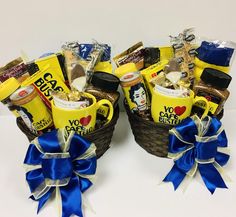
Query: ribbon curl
{"x":198,"y":145}
{"x":61,"y":163}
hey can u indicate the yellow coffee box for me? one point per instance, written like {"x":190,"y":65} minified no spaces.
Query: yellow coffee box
{"x":55,"y":63}
{"x":45,"y":81}
{"x":153,"y":71}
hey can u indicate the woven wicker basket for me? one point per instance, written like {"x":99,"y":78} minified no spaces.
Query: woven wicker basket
{"x":150,"y":136}
{"x":100,"y":137}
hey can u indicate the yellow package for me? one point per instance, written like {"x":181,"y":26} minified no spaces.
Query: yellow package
{"x":201,"y":65}
{"x":55,"y":63}
{"x":151,"y":72}
{"x":166,"y":53}
{"x":103,"y":67}
{"x":44,"y":82}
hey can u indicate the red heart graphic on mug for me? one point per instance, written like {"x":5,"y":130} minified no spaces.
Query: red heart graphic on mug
{"x":85,"y":120}
{"x":179,"y":110}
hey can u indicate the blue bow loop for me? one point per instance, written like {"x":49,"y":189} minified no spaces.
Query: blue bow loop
{"x":57,"y":162}
{"x":198,"y":145}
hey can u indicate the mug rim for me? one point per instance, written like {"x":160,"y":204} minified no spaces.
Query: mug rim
{"x":71,"y":110}
{"x":174,"y":97}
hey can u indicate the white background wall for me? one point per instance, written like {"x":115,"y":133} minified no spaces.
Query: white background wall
{"x":40,"y":26}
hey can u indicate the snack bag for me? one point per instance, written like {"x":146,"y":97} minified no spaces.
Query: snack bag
{"x":16,"y":68}
{"x":216,"y":54}
{"x":80,"y":61}
{"x":134,"y":54}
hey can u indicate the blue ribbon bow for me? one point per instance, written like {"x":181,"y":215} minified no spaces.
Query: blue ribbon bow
{"x":197,"y":144}
{"x":61,"y":163}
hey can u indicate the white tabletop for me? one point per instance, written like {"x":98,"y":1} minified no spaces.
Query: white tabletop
{"x":127,"y":183}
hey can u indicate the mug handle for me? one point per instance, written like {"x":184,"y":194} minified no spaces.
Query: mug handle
{"x":111,"y":109}
{"x":200,"y":99}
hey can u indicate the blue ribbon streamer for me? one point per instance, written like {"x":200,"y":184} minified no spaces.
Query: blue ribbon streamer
{"x":203,"y":151}
{"x":63,"y":165}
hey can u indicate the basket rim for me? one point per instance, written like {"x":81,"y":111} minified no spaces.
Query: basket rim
{"x":138,"y":118}
{"x":113,"y":121}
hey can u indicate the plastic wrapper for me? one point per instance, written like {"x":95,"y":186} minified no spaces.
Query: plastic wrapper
{"x":134,"y":54}
{"x":16,"y":68}
{"x":214,"y":54}
{"x":172,"y":66}
{"x":183,"y":92}
{"x":153,"y":72}
{"x":172,"y":80}
{"x":166,"y":53}
{"x":73,"y":66}
{"x":86,"y":49}
{"x":72,"y":100}
{"x":151,"y":56}
{"x":80,"y":61}
{"x":184,"y":53}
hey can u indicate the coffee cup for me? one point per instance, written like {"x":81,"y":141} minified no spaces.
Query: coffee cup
{"x":171,"y":109}
{"x":81,"y":120}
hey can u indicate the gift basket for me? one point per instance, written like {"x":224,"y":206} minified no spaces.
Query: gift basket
{"x":66,"y":103}
{"x":165,"y":85}
{"x":72,"y":89}
{"x":174,"y":99}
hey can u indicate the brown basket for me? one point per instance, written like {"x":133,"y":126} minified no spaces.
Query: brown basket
{"x":153,"y":137}
{"x":150,"y":136}
{"x":100,"y":137}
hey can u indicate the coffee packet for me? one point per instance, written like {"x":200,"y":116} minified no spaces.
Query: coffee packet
{"x":134,"y":54}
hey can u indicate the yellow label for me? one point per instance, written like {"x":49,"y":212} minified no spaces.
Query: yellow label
{"x":213,"y":107}
{"x":172,"y":110}
{"x":15,"y":113}
{"x":137,"y":97}
{"x":45,"y":81}
{"x":103,"y":110}
{"x":104,"y":67}
{"x":53,"y":65}
{"x":166,"y":53}
{"x":37,"y":113}
{"x":128,"y":99}
{"x":152,"y":72}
